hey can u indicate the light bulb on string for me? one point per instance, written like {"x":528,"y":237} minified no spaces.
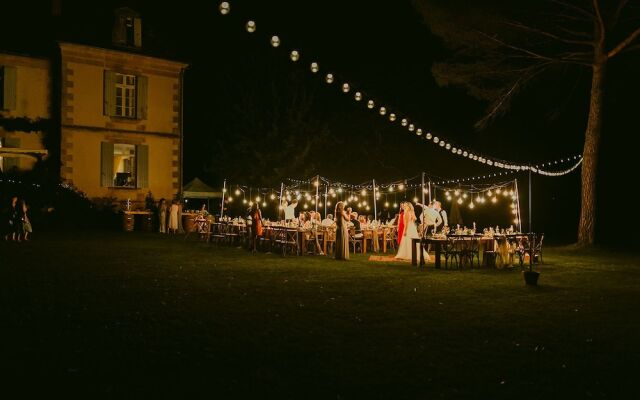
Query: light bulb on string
{"x":346,"y":87}
{"x":498,"y":191}
{"x":244,"y":201}
{"x":454,"y":150}
{"x":404,"y":122}
{"x":314,"y":67}
{"x":370,"y":104}
{"x":264,"y":204}
{"x":489,"y":193}
{"x":428,"y":136}
{"x":386,"y":204}
{"x":401,"y":186}
{"x":419,"y":132}
{"x":237,"y":192}
{"x":251,"y":203}
{"x":251,"y":26}
{"x":391,"y":188}
{"x":448,"y":198}
{"x":459,"y":200}
{"x":456,"y":192}
{"x":448,"y":146}
{"x":395,"y":205}
{"x":443,"y":143}
{"x":415,"y":199}
{"x":328,"y":204}
{"x":363,"y":192}
{"x":411,"y":127}
{"x":295,"y":56}
{"x":224,"y":8}
{"x":383,"y":110}
{"x":306,"y":206}
{"x":392,"y":117}
{"x":472,"y":205}
{"x":464,"y":196}
{"x":329,"y":78}
{"x":229,"y":199}
{"x":358,"y":96}
{"x":275,"y":41}
{"x":436,"y":140}
{"x":494,"y":199}
{"x":257,"y":199}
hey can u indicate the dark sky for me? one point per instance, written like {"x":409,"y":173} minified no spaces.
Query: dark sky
{"x":384,"y":49}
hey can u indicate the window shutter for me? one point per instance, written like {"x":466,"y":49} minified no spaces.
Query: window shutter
{"x":106,"y":164}
{"x":142,"y":86}
{"x":142,"y":166}
{"x":119,"y":33}
{"x":109,"y":95}
{"x":10,"y":163}
{"x":137,"y":32}
{"x":9,"y":89}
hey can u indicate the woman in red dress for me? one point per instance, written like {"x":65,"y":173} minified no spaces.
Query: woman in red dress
{"x":400,"y":222}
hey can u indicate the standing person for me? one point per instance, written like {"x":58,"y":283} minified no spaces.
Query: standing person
{"x":342,"y":232}
{"x":162,"y":215}
{"x":9,"y":218}
{"x":443,"y":216}
{"x":410,"y":232}
{"x":256,"y":225}
{"x":401,"y":223}
{"x":24,"y":217}
{"x":431,"y":219}
{"x":290,"y":210}
{"x":173,"y":217}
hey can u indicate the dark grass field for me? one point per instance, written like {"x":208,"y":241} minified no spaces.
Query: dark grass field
{"x":143,"y":315}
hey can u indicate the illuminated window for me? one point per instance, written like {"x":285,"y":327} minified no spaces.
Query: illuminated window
{"x":124,"y":165}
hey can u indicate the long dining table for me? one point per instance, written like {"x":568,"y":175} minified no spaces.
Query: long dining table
{"x":500,"y":243}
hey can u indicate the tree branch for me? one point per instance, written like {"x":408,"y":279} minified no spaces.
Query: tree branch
{"x":574,"y":7}
{"x":550,"y":35}
{"x":617,"y":12}
{"x":601,"y":29}
{"x":624,"y":43}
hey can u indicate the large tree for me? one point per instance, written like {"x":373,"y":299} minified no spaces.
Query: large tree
{"x":500,"y":48}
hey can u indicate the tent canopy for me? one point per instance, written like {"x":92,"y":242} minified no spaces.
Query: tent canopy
{"x":196,"y":189}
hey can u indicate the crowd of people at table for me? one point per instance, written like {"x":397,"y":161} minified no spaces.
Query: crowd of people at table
{"x":430,"y":219}
{"x":411,"y":222}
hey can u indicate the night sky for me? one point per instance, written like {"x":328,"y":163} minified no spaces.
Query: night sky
{"x":237,"y":82}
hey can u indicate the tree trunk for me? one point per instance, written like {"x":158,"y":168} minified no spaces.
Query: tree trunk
{"x":586,"y":230}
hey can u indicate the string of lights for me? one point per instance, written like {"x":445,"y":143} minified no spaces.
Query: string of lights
{"x":405,"y":122}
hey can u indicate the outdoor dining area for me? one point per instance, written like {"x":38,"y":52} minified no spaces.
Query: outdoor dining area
{"x":459,"y":248}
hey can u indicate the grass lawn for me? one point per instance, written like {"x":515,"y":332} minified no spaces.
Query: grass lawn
{"x":140,"y":314}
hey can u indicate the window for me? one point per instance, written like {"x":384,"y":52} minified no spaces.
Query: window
{"x":124,"y":165}
{"x":129,"y":31}
{"x":8,"y":78}
{"x":125,"y":95}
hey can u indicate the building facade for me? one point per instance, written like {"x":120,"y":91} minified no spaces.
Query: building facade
{"x":120,"y":114}
{"x":25,"y":101}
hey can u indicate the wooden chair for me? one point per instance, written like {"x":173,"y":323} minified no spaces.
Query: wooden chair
{"x":330,"y":239}
{"x":388,"y":238}
{"x":355,"y":241}
{"x":451,"y":251}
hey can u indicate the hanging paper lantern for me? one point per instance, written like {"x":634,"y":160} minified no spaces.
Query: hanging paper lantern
{"x":251,"y":26}
{"x":224,"y":8}
{"x":275,"y":41}
{"x":314,"y":67}
{"x":295,"y":56}
{"x":329,"y":78}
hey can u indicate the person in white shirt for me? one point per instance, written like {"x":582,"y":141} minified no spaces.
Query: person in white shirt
{"x":431,"y":218}
{"x":443,"y":214}
{"x":290,"y":210}
{"x":328,"y":221}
